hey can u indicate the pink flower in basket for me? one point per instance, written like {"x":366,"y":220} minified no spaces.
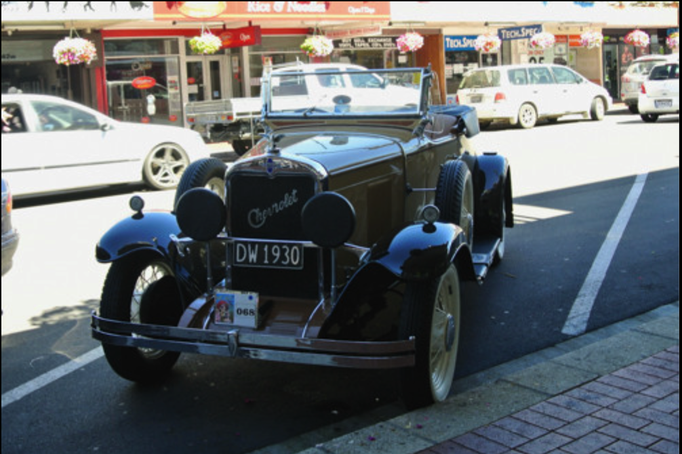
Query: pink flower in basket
{"x":73,"y":51}
{"x":318,"y":46}
{"x":591,"y":39}
{"x":206,"y":44}
{"x":674,"y":40}
{"x":542,"y":40}
{"x":410,"y":42}
{"x":487,"y":43}
{"x":637,"y":38}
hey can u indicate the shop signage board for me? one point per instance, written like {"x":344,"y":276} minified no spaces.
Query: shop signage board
{"x":460,"y":43}
{"x":241,"y":37}
{"x":524,"y":32}
{"x":368,"y":43}
{"x":144,"y":82}
{"x":371,"y":30}
{"x":26,"y":51}
{"x":571,"y":40}
{"x":263,"y":11}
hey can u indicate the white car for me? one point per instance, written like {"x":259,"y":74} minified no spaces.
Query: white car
{"x":639,"y":69}
{"x":660,"y":93}
{"x":523,"y":94}
{"x":50,"y":144}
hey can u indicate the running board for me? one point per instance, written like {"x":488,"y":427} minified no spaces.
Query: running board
{"x":484,"y":255}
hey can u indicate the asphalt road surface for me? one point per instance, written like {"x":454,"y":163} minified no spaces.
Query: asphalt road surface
{"x":596,"y":241}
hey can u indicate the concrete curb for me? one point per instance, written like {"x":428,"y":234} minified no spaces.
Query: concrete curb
{"x":506,"y":389}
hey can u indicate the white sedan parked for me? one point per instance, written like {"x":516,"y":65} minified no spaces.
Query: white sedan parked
{"x":50,"y":144}
{"x":660,"y":93}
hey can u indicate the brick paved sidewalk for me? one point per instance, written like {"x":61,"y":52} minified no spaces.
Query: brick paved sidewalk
{"x":633,"y":410}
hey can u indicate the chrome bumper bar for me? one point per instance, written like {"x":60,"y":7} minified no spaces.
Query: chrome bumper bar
{"x":268,"y":347}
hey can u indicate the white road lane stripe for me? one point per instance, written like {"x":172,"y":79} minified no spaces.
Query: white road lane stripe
{"x":576,"y":323}
{"x":55,"y":374}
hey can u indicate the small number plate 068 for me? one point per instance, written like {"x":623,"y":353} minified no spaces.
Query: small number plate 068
{"x":257,"y":254}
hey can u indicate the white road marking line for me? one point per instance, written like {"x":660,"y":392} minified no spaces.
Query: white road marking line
{"x":576,"y":323}
{"x":48,"y":377}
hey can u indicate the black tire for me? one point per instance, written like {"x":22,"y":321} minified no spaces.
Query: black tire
{"x":528,"y":116}
{"x":141,"y":288}
{"x":431,"y":313}
{"x":633,"y":108}
{"x":241,"y":147}
{"x":598,"y":109}
{"x":455,"y":197}
{"x":164,"y":166}
{"x":649,"y":118}
{"x":206,"y":173}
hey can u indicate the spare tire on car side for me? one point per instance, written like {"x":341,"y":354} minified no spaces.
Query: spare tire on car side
{"x":206,"y":173}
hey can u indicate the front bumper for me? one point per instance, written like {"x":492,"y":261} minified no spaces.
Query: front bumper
{"x":236,"y":343}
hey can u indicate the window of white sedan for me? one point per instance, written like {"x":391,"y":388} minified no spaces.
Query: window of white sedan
{"x":56,"y":117}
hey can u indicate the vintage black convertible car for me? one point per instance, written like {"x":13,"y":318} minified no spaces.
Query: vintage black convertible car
{"x":340,"y":239}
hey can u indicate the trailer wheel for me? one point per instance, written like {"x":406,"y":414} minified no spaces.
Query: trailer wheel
{"x":206,"y":173}
{"x":141,"y":288}
{"x":431,"y":313}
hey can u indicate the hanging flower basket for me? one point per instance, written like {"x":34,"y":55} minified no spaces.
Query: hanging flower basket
{"x":591,"y":39}
{"x":487,"y":43}
{"x":410,"y":42}
{"x":637,"y":38}
{"x":542,"y":40}
{"x":74,"y":51}
{"x":205,"y":44}
{"x":674,"y":40}
{"x":317,"y":46}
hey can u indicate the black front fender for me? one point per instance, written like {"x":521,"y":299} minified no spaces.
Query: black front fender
{"x":148,"y":231}
{"x":420,"y":251}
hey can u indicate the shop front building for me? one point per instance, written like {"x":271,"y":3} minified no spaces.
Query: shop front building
{"x":146,"y":71}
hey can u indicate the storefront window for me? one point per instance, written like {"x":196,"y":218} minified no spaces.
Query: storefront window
{"x":456,"y":64}
{"x":161,"y":103}
{"x":128,"y":47}
{"x":273,"y":50}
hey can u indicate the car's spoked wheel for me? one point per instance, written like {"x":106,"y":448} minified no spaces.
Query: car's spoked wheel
{"x":528,"y":116}
{"x":164,"y":166}
{"x":141,"y":289}
{"x":598,"y":109}
{"x":431,"y":313}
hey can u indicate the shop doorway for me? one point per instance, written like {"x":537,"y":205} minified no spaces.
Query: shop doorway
{"x":205,"y":78}
{"x":612,"y":70}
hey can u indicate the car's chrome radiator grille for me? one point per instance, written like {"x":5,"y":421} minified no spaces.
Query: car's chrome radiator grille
{"x":260,"y":207}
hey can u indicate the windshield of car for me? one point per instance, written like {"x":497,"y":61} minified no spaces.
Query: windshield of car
{"x":643,"y":67}
{"x":484,"y":78}
{"x":343,"y":92}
